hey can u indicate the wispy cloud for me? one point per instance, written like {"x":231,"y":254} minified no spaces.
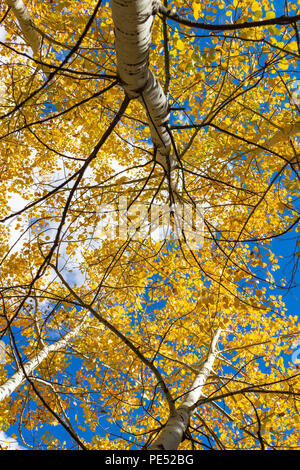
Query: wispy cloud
{"x":2,"y":33}
{"x":9,"y":443}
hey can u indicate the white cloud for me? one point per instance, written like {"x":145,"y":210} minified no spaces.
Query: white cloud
{"x":9,"y":443}
{"x":2,"y":34}
{"x":16,"y":203}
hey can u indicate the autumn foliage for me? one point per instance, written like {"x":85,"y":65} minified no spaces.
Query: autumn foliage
{"x":141,"y":312}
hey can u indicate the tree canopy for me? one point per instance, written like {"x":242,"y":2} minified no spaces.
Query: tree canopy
{"x":149,"y":159}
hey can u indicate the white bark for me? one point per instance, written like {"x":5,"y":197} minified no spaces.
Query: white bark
{"x":177,"y":424}
{"x":19,"y":376}
{"x":133,"y":22}
{"x":26,"y":24}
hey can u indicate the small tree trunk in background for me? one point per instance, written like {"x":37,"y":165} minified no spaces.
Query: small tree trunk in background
{"x":19,"y":376}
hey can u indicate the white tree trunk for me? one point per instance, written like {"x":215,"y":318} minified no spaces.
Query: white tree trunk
{"x":133,"y":22}
{"x":19,"y":376}
{"x":26,"y":24}
{"x":177,"y":424}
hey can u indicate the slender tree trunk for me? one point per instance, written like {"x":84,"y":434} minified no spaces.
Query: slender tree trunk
{"x":133,"y":22}
{"x":19,"y":376}
{"x":174,"y":431}
{"x":26,"y":24}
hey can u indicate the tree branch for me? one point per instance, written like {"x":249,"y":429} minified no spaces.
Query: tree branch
{"x":281,"y":20}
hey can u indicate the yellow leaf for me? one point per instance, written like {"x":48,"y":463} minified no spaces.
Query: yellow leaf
{"x":196,"y":10}
{"x":180,"y":45}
